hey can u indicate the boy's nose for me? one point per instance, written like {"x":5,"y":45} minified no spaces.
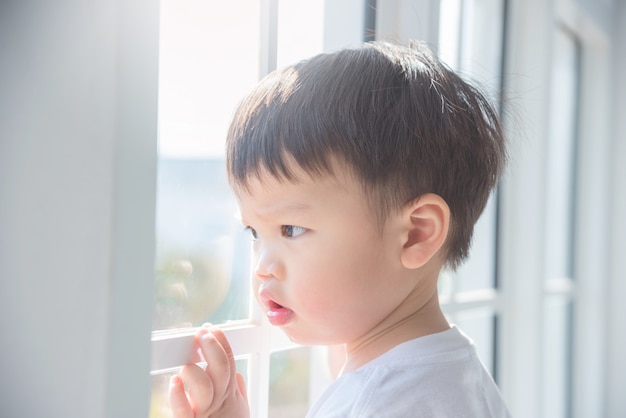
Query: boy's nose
{"x":267,"y":265}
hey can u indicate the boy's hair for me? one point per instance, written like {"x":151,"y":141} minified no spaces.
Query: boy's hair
{"x":403,"y":122}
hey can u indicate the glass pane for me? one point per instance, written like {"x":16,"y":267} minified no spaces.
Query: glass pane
{"x":479,"y":325}
{"x":557,"y":356}
{"x":449,"y":32}
{"x":289,"y":383}
{"x":300,"y":30}
{"x":159,"y":401}
{"x":559,"y":236}
{"x":202,"y":259}
{"x":561,"y":156}
{"x":470,"y":41}
{"x":482,"y":35}
{"x":479,"y":270}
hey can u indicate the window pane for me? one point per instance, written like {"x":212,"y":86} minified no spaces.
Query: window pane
{"x":470,"y":41}
{"x":561,"y":156}
{"x":449,"y":32}
{"x":559,"y":236}
{"x":159,"y":401}
{"x":557,"y":356}
{"x":289,"y":383}
{"x":202,"y":266}
{"x":479,"y":271}
{"x":208,"y":59}
{"x":300,"y":30}
{"x":202,"y":258}
{"x":479,"y":325}
{"x":481,"y":46}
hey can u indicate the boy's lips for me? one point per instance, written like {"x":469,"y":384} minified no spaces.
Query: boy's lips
{"x":277,"y":314}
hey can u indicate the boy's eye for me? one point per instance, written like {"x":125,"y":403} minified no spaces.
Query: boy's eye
{"x":252,"y":232}
{"x":292,"y":231}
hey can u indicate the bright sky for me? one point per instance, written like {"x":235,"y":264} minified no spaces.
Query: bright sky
{"x":209,"y":59}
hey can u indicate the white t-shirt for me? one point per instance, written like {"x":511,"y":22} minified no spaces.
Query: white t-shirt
{"x":438,"y":375}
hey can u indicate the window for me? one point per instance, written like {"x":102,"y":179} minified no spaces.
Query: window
{"x":211,"y":54}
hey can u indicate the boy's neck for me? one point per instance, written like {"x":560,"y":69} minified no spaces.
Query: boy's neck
{"x":408,"y":322}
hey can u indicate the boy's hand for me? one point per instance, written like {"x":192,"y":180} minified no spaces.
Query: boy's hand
{"x":216,"y":391}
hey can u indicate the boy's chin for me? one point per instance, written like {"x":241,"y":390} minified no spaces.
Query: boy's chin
{"x":307,"y":339}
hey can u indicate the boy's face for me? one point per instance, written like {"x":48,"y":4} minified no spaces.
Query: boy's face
{"x":323,"y":270}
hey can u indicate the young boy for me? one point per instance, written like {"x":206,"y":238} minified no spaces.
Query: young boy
{"x":360,"y":175}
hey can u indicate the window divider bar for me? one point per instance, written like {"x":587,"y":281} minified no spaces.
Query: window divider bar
{"x":174,"y":349}
{"x":269,"y":37}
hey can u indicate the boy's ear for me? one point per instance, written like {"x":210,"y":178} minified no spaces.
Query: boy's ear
{"x":427,"y":221}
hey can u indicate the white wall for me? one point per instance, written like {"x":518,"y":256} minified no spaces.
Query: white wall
{"x":77,"y":167}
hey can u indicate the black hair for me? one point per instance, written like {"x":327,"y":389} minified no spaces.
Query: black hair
{"x":402,"y":121}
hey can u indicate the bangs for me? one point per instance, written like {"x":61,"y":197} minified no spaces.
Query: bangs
{"x":313,"y":113}
{"x":275,"y":127}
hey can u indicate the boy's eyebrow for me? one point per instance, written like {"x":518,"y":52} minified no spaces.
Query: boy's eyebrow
{"x":282,"y":208}
{"x":278,"y":209}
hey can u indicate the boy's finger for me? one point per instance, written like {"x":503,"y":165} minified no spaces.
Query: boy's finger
{"x":218,"y":364}
{"x":241,"y":384}
{"x":221,"y":337}
{"x":200,"y":389}
{"x":178,"y":399}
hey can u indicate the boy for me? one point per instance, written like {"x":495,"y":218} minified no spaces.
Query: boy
{"x":360,"y":175}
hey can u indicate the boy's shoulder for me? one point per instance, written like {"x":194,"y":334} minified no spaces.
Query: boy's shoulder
{"x":437,"y":375}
